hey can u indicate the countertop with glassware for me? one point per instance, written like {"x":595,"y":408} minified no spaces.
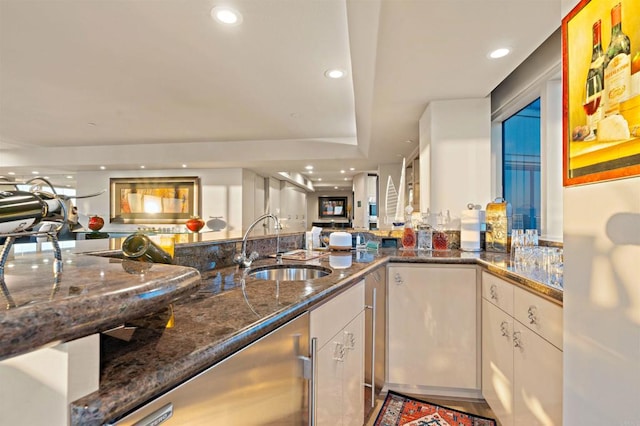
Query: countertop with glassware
{"x":230,"y":311}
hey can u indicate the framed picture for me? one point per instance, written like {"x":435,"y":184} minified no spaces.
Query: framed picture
{"x":601,"y":91}
{"x":332,"y":207}
{"x":154,"y":200}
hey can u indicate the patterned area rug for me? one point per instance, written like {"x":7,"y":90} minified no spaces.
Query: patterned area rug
{"x":399,"y":409}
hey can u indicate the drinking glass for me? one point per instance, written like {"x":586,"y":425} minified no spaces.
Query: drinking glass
{"x":517,"y":241}
{"x":531,"y":237}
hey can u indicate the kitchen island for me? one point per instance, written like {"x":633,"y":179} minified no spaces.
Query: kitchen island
{"x":226,"y":312}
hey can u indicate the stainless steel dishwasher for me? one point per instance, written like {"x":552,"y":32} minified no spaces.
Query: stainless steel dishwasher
{"x":262,"y":384}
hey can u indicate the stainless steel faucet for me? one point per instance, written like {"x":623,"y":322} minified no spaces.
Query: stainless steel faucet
{"x":242,"y":259}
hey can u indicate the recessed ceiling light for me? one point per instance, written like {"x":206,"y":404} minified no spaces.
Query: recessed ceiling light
{"x":335,"y":187}
{"x":310,"y":172}
{"x":319,"y":179}
{"x":346,"y":178}
{"x":341,"y":171}
{"x":226,"y":15}
{"x":46,"y":177}
{"x":184,"y":166}
{"x":335,"y":73}
{"x":309,"y":167}
{"x":142,"y":167}
{"x":499,"y":53}
{"x":352,"y":168}
{"x":11,"y":173}
{"x":102,"y":167}
{"x":69,"y":177}
{"x":34,"y":172}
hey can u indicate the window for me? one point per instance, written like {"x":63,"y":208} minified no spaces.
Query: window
{"x":521,"y":165}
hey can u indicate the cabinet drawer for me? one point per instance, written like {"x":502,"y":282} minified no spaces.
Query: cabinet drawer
{"x":331,"y":317}
{"x":539,"y":315}
{"x":498,"y":291}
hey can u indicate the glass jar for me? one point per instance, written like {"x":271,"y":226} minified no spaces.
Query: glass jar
{"x":408,"y":235}
{"x":424,"y":236}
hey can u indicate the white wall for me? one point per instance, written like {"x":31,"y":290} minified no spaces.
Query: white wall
{"x":221,"y":193}
{"x":293,"y":207}
{"x":601,"y":300}
{"x":551,"y":163}
{"x":360,"y":201}
{"x":455,"y":155}
{"x":602,"y":303}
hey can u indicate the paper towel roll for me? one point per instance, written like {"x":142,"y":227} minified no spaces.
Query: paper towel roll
{"x":470,"y":226}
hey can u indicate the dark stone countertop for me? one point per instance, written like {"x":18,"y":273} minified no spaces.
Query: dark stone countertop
{"x":90,"y":295}
{"x":224,"y":317}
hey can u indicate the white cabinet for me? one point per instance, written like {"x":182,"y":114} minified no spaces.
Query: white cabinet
{"x":434,"y":329}
{"x":37,"y":387}
{"x":293,"y":207}
{"x":338,"y":327}
{"x":521,"y":354}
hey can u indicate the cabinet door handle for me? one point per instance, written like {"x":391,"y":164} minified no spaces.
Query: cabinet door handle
{"x":313,"y":391}
{"x":517,"y":343}
{"x":374,"y":314}
{"x":338,"y":352}
{"x":533,"y":314}
{"x":398,"y":278}
{"x":349,"y":340}
{"x":504,"y":328}
{"x":493,"y":291}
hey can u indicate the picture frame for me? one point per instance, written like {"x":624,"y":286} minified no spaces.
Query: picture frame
{"x":162,"y":200}
{"x":332,"y":207}
{"x":595,"y":146}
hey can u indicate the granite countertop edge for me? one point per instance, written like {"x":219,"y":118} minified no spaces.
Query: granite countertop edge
{"x":108,"y":404}
{"x":64,"y":318}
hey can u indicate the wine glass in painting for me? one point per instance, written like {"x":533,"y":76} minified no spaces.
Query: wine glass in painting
{"x":591,"y":105}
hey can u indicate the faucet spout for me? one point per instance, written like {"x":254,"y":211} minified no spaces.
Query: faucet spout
{"x":241,"y":258}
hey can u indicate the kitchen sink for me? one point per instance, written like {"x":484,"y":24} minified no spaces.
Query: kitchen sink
{"x":288,"y":272}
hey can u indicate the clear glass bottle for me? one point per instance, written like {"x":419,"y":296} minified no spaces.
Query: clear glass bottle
{"x":424,"y":236}
{"x":408,"y":235}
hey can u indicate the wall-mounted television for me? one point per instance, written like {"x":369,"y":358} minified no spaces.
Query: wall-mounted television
{"x":332,"y":207}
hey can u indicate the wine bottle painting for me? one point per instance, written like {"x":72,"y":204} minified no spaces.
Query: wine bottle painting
{"x":601,"y":75}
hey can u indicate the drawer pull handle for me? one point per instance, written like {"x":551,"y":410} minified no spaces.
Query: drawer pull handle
{"x":517,"y":343}
{"x":349,"y":340}
{"x":398,"y":278}
{"x":338,"y":352}
{"x":533,"y":315}
{"x":493,"y":291}
{"x":504,"y":328}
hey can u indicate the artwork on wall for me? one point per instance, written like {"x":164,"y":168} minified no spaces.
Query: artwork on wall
{"x":154,"y":200}
{"x":601,"y":91}
{"x":332,"y":207}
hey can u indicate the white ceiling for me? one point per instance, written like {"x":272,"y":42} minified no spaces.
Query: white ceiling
{"x":121,"y":83}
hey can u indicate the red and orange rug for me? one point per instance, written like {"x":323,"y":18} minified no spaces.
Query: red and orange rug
{"x":399,"y":409}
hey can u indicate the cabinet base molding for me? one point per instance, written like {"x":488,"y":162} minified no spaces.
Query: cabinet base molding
{"x":472,"y":394}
